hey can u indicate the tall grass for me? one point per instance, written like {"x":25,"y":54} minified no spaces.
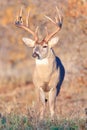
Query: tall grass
{"x":31,"y":121}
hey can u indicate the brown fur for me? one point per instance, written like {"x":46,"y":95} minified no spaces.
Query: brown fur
{"x":45,"y":80}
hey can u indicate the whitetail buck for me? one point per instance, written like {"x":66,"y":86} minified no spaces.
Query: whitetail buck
{"x":49,"y":71}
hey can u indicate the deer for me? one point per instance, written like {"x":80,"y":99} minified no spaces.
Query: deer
{"x":49,"y":71}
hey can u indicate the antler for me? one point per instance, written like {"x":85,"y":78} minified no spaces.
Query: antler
{"x":19,"y":23}
{"x":58,"y":22}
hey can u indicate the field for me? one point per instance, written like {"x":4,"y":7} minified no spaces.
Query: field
{"x":19,"y":111}
{"x":18,"y":108}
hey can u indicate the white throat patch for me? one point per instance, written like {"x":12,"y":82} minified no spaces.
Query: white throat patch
{"x":42,"y":62}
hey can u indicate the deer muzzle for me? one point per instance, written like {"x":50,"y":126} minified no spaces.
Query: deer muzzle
{"x":35,"y":55}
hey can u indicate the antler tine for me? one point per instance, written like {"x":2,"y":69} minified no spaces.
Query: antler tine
{"x":58,"y":22}
{"x":17,"y":17}
{"x":46,"y":31}
{"x":58,"y":13}
{"x":19,"y":23}
{"x":36,"y":33}
{"x":27,"y":18}
{"x":21,"y":11}
{"x":20,"y":15}
{"x":49,"y":19}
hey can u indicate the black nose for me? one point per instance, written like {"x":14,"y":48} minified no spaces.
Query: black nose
{"x":46,"y":100}
{"x":35,"y":55}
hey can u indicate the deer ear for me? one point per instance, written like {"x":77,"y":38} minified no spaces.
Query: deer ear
{"x":53,"y":42}
{"x":28,"y":42}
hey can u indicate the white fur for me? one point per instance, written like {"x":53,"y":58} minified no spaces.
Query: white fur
{"x":28,"y":42}
{"x":53,"y":42}
{"x":42,"y":62}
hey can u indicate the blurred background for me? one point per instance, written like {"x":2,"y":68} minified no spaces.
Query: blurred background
{"x":17,"y":64}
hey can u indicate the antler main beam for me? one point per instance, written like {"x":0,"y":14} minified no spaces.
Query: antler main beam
{"x":19,"y":23}
{"x":58,"y":22}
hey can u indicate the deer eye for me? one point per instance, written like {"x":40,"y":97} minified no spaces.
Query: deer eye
{"x":44,"y":46}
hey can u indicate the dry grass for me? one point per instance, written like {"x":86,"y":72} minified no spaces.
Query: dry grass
{"x":70,"y":102}
{"x":15,"y":121}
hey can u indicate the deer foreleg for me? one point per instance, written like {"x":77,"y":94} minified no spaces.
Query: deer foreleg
{"x":43,"y":103}
{"x":52,"y":101}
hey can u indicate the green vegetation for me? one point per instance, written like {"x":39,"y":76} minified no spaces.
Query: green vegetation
{"x":20,"y":122}
{"x":14,"y":122}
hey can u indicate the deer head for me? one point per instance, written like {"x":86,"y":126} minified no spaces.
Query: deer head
{"x":40,"y":48}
